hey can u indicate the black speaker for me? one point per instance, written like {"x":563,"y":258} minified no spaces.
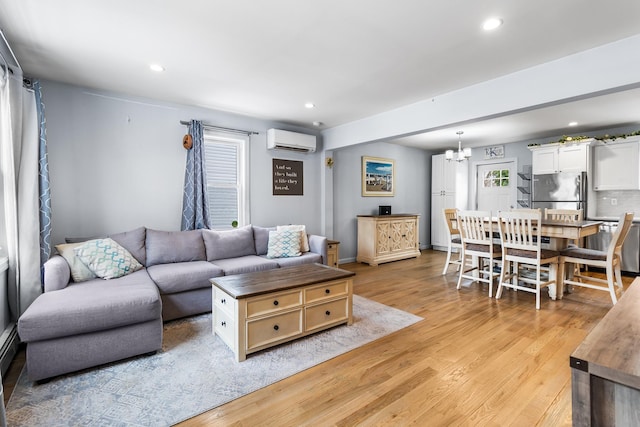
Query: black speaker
{"x":384,"y":210}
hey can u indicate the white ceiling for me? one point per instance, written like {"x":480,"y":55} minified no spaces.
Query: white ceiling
{"x":352,"y":59}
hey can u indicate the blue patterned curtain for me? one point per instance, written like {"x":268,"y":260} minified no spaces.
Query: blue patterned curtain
{"x":43,"y":169}
{"x":195,"y":207}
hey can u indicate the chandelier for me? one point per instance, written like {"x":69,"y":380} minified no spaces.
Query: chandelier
{"x":461,"y":155}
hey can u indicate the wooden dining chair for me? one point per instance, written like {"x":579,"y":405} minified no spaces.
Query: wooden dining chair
{"x":610,"y":260}
{"x":569,"y":215}
{"x":454,"y":241}
{"x":522,"y":245}
{"x":477,"y":243}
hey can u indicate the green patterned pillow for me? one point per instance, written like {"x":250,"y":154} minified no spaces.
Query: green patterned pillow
{"x":284,"y":244}
{"x":107,"y":259}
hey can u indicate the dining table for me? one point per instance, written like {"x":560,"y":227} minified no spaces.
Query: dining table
{"x":560,"y":233}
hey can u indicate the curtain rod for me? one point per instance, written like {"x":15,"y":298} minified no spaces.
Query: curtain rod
{"x":207,"y":126}
{"x":10,"y":51}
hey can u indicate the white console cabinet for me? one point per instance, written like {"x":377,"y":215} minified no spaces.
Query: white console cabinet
{"x":384,"y":238}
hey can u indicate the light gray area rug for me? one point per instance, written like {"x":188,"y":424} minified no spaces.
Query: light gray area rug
{"x":194,"y":372}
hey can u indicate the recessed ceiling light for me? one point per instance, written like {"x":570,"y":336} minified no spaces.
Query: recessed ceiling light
{"x":491,"y":24}
{"x":156,"y":67}
{"x":317,"y":124}
{"x":309,"y":105}
{"x":573,"y":124}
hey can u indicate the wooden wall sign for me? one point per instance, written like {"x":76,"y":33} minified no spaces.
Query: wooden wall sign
{"x":287,"y":178}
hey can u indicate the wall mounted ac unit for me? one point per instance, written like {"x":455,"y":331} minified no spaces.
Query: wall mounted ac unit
{"x":286,"y":140}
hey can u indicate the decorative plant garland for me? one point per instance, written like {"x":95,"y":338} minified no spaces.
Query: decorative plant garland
{"x":602,"y":138}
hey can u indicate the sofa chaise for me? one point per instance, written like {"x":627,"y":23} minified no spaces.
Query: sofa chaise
{"x":81,"y":321}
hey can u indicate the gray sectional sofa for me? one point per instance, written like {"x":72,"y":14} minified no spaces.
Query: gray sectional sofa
{"x":77,"y":325}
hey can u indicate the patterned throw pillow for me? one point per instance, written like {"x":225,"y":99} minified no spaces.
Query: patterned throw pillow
{"x":107,"y":259}
{"x":304,"y":240}
{"x":284,"y":244}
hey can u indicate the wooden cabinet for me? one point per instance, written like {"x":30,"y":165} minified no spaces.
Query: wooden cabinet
{"x":616,"y":166}
{"x":333,"y":253}
{"x":553,"y":158}
{"x":449,"y":183}
{"x":384,"y":238}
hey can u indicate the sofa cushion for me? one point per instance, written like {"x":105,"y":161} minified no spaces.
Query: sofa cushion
{"x":221,"y":244}
{"x":245,"y":264}
{"x":284,"y":243}
{"x":79,"y":271}
{"x":183,"y":276}
{"x":56,"y":273}
{"x":304,"y":240}
{"x":165,"y":247}
{"x":134,"y":241}
{"x":91,"y":306}
{"x":306,"y":258}
{"x":261,"y":237}
{"x":107,"y":259}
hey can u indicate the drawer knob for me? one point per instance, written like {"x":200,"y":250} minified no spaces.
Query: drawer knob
{"x":327,"y":291}
{"x":276,"y":302}
{"x":276,"y":327}
{"x":328,"y":313}
{"x":223,"y":323}
{"x":223,"y":301}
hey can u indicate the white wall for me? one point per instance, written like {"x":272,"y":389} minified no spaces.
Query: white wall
{"x":412,"y":194}
{"x":116,"y":162}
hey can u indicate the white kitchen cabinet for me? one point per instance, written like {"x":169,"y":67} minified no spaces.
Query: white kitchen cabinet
{"x":616,"y":166}
{"x":449,"y":189}
{"x":553,"y":158}
{"x":544,"y":160}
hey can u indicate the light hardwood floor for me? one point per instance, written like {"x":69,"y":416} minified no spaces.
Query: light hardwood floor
{"x":471,"y":361}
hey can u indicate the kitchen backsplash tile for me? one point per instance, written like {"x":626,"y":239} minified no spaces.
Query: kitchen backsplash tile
{"x":615,"y":203}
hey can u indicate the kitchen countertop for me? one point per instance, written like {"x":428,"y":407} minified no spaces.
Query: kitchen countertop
{"x":636,"y":219}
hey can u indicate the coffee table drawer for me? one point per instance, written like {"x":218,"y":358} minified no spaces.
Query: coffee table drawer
{"x":265,"y":331}
{"x":225,"y":328}
{"x":224,"y":301}
{"x":328,"y":290}
{"x":325,"y":314}
{"x":273,"y":303}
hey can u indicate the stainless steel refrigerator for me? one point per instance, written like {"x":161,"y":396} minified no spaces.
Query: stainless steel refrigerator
{"x":563,"y":190}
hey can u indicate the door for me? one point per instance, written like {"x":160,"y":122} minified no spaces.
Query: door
{"x":496,"y":186}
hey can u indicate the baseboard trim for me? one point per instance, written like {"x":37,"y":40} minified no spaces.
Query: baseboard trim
{"x":9,"y":344}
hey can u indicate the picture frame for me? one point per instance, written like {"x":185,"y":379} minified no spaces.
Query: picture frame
{"x":378,"y":177}
{"x":495,"y":152}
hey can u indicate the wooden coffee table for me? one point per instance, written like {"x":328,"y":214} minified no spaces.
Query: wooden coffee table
{"x":254,"y":311}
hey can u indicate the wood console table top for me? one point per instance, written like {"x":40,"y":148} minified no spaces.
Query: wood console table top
{"x":610,"y":350}
{"x":262,"y":282}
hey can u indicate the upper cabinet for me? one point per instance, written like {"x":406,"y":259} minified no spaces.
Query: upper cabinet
{"x":616,"y":165}
{"x":553,"y":158}
{"x":445,"y":175}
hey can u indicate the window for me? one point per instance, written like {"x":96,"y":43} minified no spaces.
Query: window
{"x":226,"y":159}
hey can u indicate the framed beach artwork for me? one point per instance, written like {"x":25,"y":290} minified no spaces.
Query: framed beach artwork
{"x":378,"y":177}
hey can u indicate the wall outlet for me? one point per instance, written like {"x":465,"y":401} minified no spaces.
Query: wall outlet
{"x":614,"y":202}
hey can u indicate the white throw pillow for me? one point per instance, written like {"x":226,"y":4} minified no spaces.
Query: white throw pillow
{"x":107,"y":259}
{"x":284,"y":244}
{"x":79,"y":271}
{"x":304,"y":240}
